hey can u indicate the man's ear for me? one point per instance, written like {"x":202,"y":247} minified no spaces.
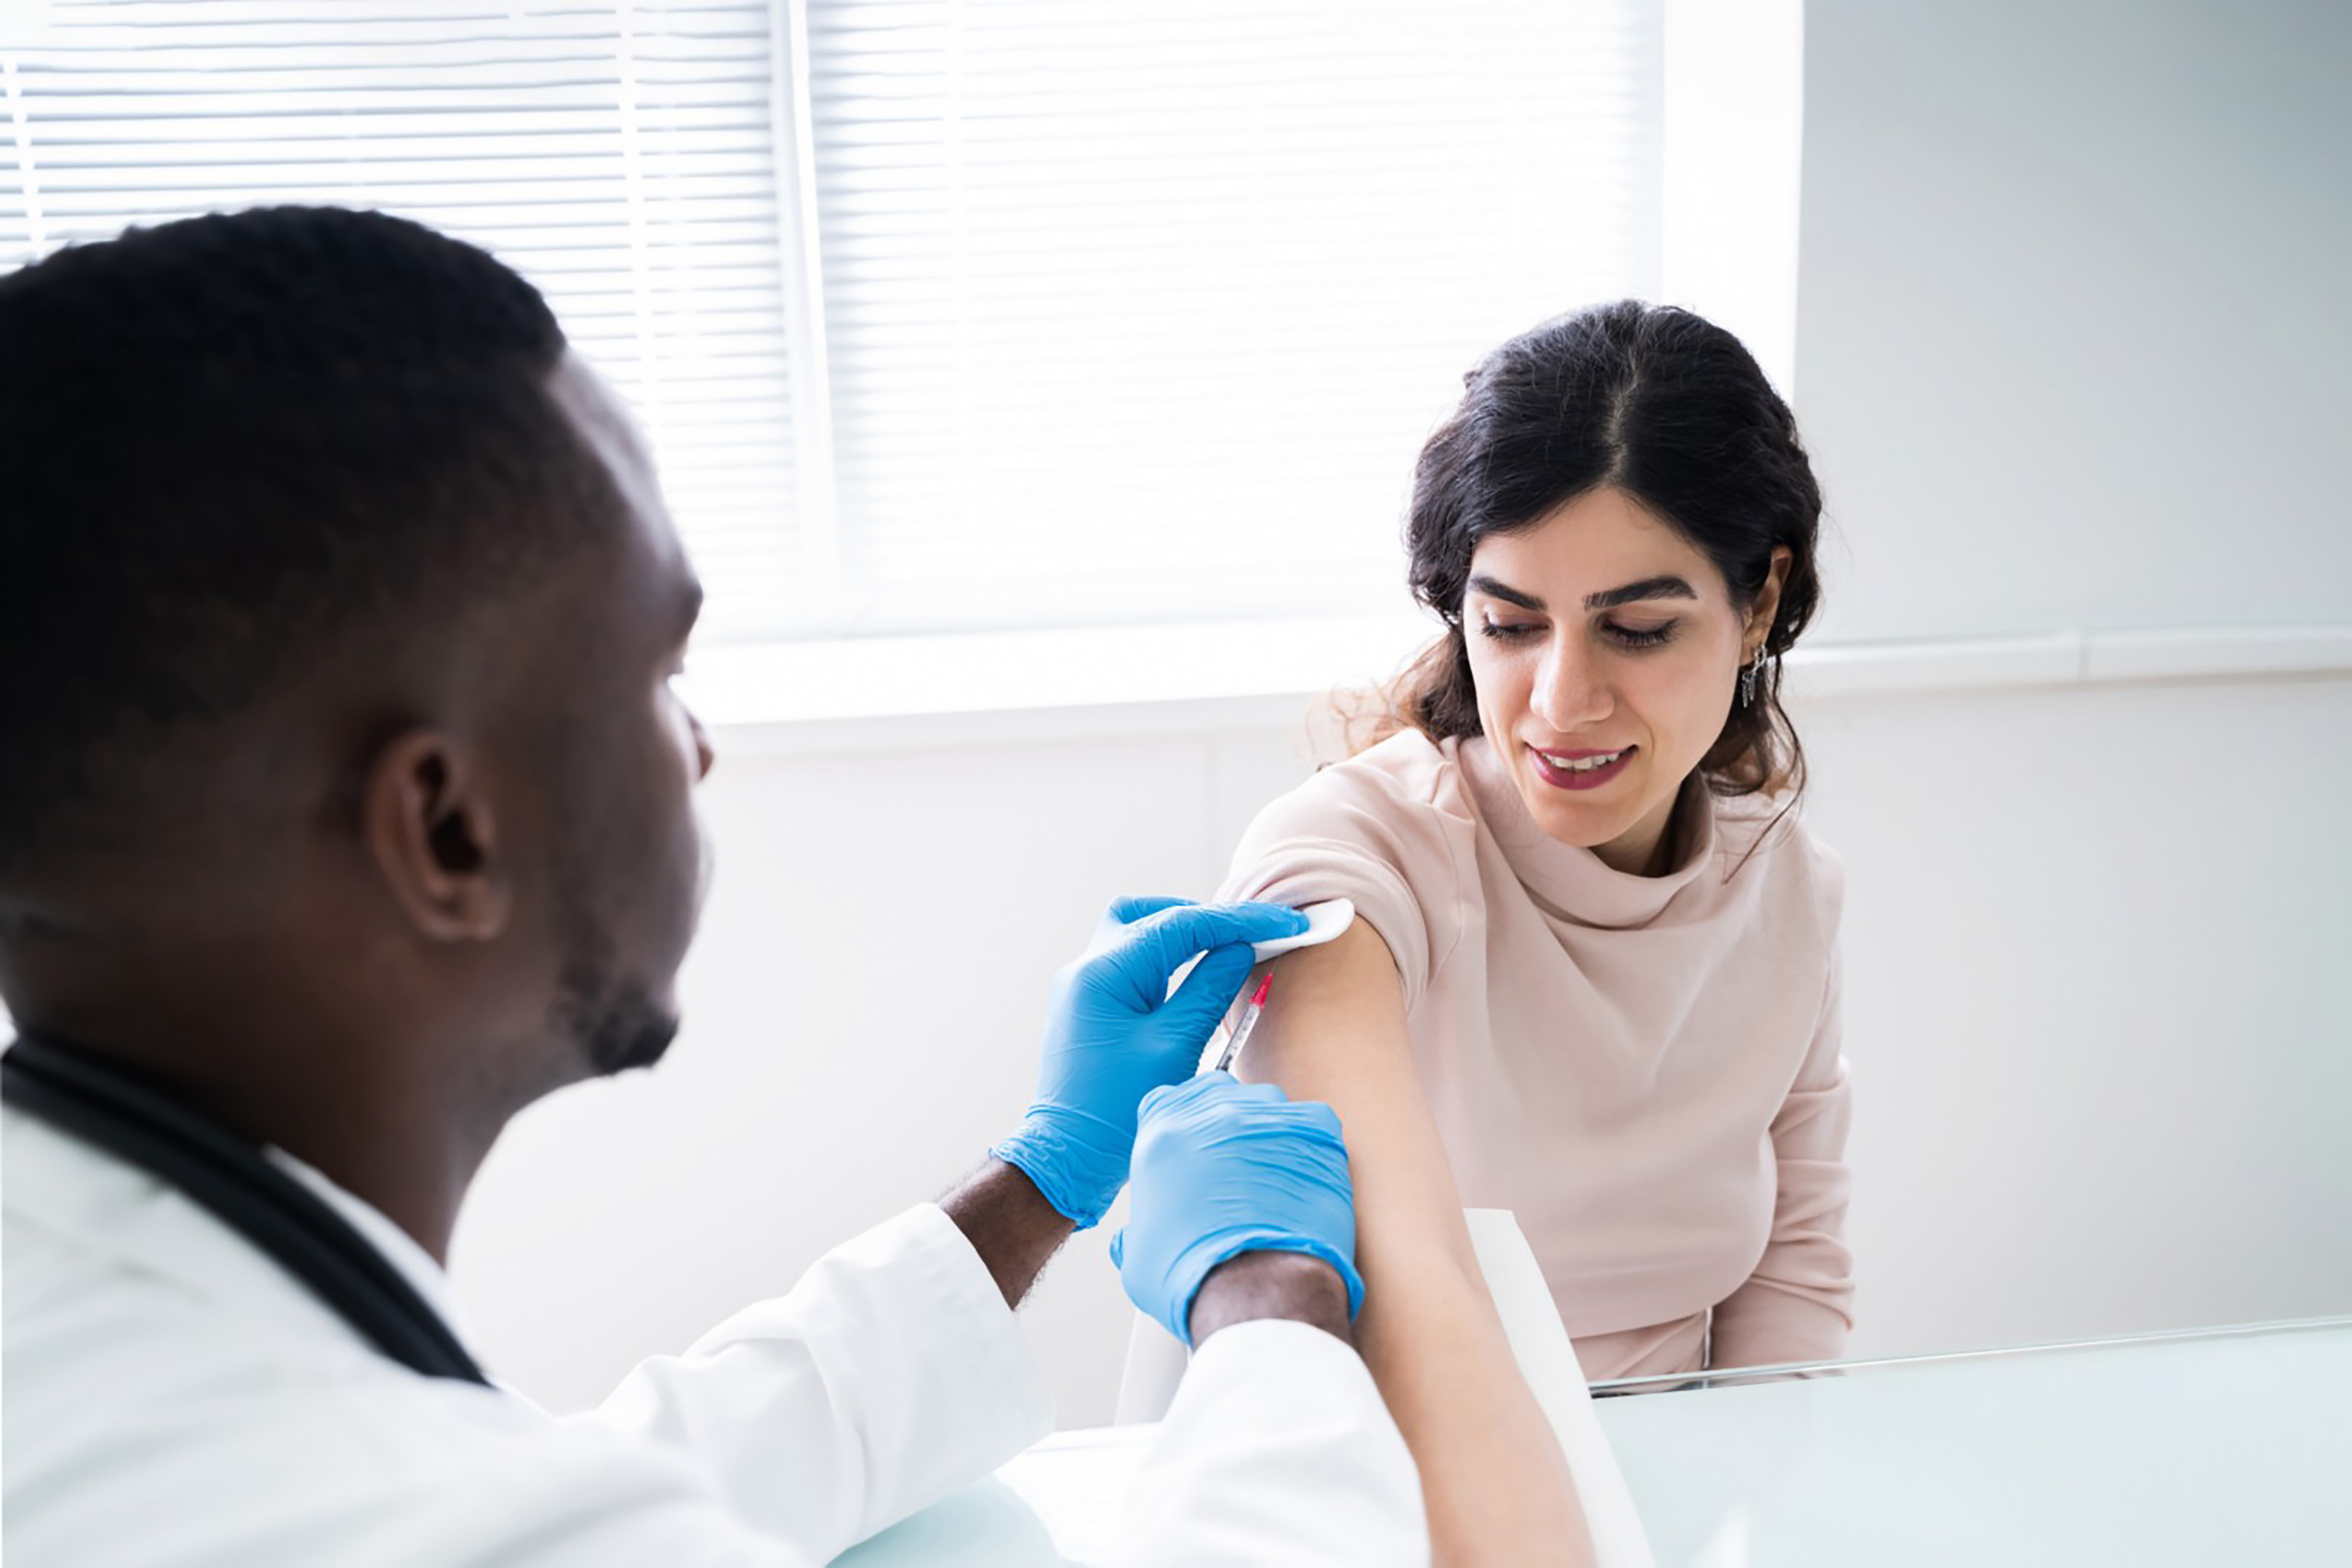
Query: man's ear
{"x":1768,"y":599}
{"x":433,"y":831}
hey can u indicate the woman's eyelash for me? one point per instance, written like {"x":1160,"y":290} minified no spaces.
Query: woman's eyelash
{"x":1627,"y":637}
{"x":1634,"y":637}
{"x":1507,"y":633}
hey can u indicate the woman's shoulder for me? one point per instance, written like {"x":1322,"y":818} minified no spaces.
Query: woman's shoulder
{"x":1400,"y":806}
{"x":1405,"y":775}
{"x":1766,"y":837}
{"x":1389,"y":829}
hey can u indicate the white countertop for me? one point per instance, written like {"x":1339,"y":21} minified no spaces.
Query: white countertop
{"x":2233,"y":1447}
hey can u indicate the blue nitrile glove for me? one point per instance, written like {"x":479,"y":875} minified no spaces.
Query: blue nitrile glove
{"x":1115,"y":1034}
{"x":1222,"y":1168}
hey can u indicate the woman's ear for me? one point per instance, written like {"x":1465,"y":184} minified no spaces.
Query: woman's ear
{"x":1768,"y":600}
{"x":432,"y":829}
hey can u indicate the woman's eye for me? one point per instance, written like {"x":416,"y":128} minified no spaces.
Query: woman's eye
{"x":1512,"y":631}
{"x":1639,"y":637}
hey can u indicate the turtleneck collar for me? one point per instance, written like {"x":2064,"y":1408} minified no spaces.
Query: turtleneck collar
{"x":1576,"y":884}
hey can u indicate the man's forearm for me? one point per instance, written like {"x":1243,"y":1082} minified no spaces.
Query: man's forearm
{"x":1009,"y":1224}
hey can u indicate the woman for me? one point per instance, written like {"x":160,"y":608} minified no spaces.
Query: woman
{"x":1593,"y":978}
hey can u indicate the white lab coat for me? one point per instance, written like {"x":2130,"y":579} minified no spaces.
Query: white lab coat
{"x":171,"y":1397}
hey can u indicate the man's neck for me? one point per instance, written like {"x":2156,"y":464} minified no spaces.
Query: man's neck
{"x":389,"y":1145}
{"x":419,"y":1187}
{"x":332,"y":1056}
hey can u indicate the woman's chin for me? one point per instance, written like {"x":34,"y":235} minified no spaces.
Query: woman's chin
{"x":1592,"y":820}
{"x":1577,"y":823}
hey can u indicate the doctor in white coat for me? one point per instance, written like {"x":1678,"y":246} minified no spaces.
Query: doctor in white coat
{"x":345,"y":809}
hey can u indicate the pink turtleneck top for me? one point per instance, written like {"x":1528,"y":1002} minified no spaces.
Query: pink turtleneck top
{"x":1645,"y":1070}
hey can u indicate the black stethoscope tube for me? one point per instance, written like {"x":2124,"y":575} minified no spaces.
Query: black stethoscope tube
{"x":134,"y":1117}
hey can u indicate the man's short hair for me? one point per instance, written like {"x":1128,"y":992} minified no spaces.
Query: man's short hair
{"x":235,"y":444}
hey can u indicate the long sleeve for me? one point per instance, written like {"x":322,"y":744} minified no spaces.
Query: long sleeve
{"x":891,"y":1374}
{"x":1797,"y":1304}
{"x":173,"y":1393}
{"x":1277,"y":1449}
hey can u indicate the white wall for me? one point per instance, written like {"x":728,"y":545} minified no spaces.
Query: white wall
{"x":863,"y":1012}
{"x":2072,"y":321}
{"x":2072,"y":330}
{"x":2099,"y":1005}
{"x":2069,"y":352}
{"x":2098,"y":1011}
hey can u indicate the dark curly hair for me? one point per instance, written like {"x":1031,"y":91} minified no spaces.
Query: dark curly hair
{"x":1667,"y":407}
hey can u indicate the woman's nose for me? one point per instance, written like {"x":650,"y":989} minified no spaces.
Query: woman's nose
{"x":1569,"y":691}
{"x":705,"y":757}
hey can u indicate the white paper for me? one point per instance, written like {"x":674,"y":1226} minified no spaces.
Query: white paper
{"x":1540,"y":1343}
{"x":1326,"y":921}
{"x":1548,"y":1361}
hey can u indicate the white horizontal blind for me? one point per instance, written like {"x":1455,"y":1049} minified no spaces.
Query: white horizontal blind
{"x":1138,"y":311}
{"x":1132,"y":311}
{"x":622,"y":156}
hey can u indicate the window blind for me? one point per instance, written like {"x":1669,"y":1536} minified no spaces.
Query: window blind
{"x":1124,"y":312}
{"x":620,"y":155}
{"x":1136,"y":310}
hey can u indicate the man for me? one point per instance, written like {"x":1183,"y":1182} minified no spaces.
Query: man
{"x":345,"y":808}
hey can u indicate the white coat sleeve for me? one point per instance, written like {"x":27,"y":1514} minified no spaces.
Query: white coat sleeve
{"x":1277,"y":1450}
{"x":890,"y":1375}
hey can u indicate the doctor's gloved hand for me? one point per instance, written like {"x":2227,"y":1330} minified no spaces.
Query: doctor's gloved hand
{"x":1222,"y":1168}
{"x":1115,"y":1034}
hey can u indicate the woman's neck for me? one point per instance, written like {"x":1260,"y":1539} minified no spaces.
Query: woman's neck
{"x":1651,"y":848}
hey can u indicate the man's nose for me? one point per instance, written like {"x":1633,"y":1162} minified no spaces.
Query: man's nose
{"x":1570,"y":690}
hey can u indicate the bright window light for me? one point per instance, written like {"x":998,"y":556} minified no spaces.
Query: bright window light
{"x":960,"y":315}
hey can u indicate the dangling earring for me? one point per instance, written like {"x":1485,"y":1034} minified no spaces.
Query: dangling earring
{"x":1748,"y":678}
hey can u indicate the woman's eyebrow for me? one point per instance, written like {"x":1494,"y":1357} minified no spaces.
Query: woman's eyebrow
{"x":1606,"y":599}
{"x":1482,"y":584}
{"x":1635,"y":593}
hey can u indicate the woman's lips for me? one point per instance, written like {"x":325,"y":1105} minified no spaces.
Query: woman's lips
{"x":1554,"y":767}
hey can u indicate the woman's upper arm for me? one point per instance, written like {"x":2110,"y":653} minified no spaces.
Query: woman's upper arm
{"x":1493,"y":1478}
{"x":1334,"y":1030}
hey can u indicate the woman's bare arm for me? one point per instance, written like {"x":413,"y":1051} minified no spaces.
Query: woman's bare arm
{"x":1496,"y":1487}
